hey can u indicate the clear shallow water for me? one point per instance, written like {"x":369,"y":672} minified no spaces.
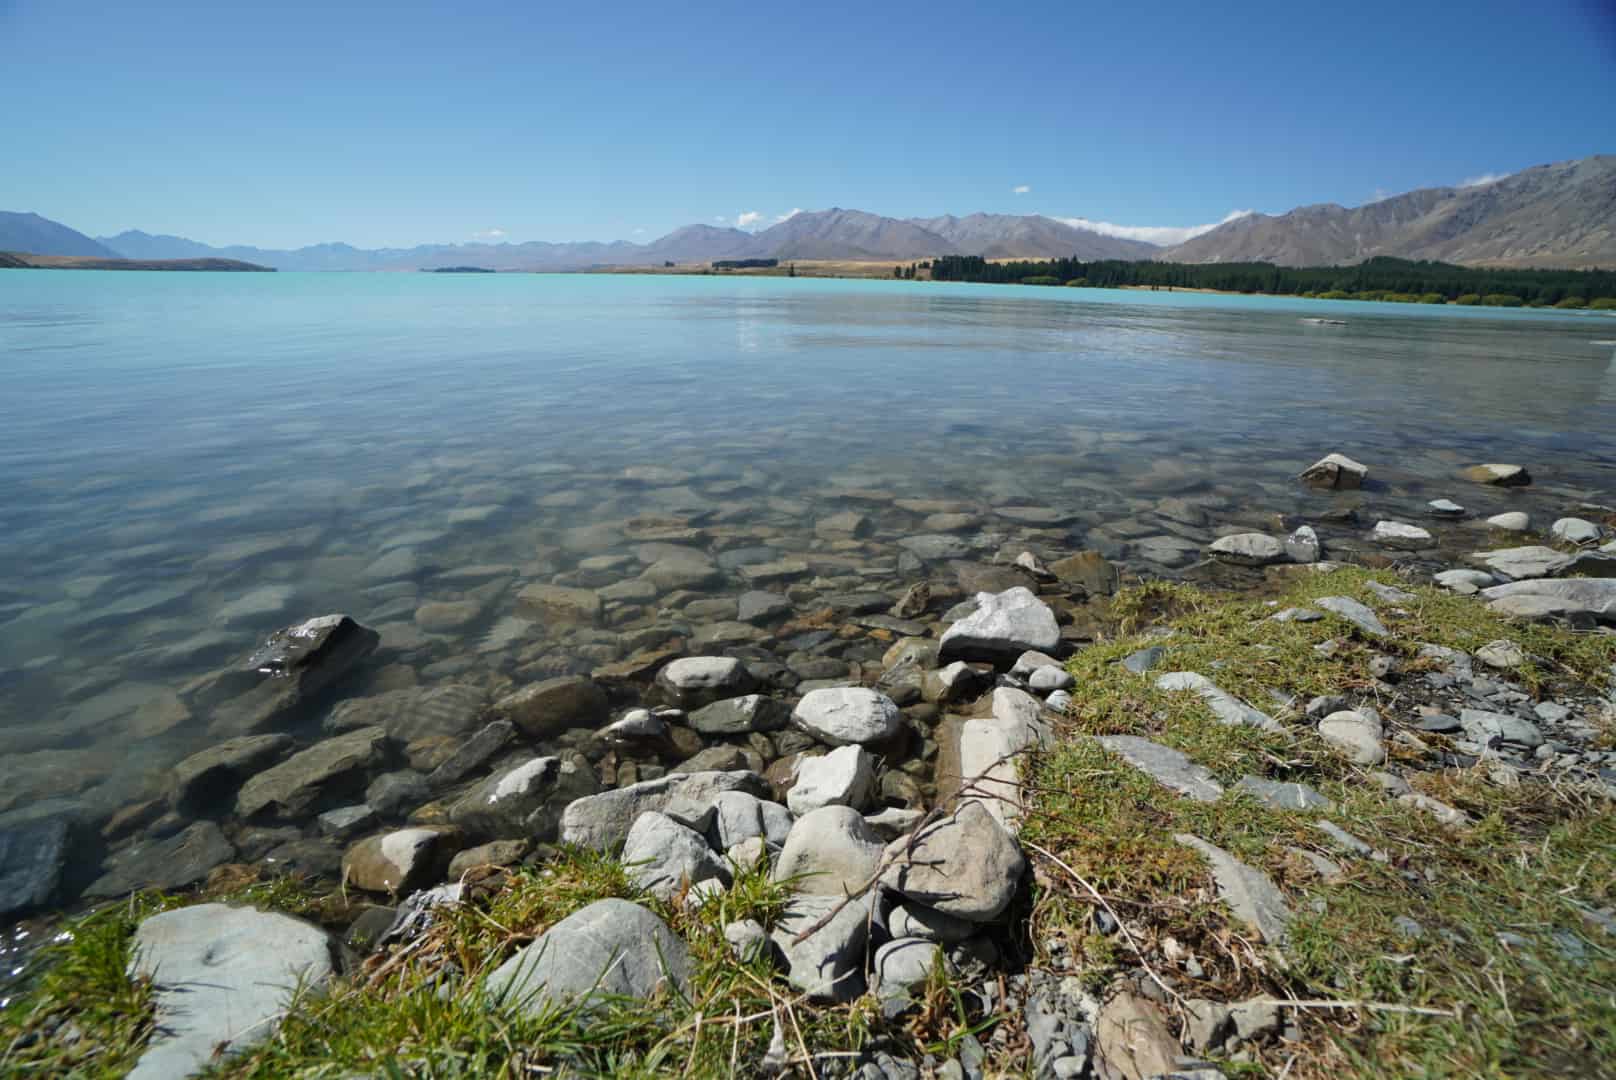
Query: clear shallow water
{"x":190,"y":461}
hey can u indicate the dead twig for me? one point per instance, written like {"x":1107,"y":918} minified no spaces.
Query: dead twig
{"x":1126,"y":933}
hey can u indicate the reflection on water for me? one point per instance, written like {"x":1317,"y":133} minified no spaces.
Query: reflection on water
{"x":191,"y":461}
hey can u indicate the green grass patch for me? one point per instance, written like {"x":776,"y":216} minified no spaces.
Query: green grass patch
{"x":418,"y":1010}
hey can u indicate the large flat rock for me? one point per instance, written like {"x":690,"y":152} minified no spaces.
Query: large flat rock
{"x":222,"y":977}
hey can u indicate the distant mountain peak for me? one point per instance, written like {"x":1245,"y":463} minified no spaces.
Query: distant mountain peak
{"x":35,"y":235}
{"x":1559,"y":214}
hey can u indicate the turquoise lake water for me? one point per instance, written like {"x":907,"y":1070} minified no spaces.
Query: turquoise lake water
{"x":189,"y":461}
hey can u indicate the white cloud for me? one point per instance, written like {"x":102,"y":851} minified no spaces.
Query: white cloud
{"x":1160,"y":235}
{"x":639,"y":231}
{"x":747,"y":219}
{"x":489,"y":234}
{"x":788,"y":215}
{"x":1021,"y":189}
{"x":720,"y":218}
{"x":1484,"y":178}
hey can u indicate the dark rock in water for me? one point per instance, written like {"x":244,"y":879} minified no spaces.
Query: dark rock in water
{"x":182,"y":859}
{"x":215,"y":774}
{"x":855,"y":603}
{"x":1089,"y":569}
{"x":914,"y":602}
{"x":762,"y":607}
{"x":395,"y":793}
{"x":306,"y":858}
{"x":526,"y":800}
{"x":31,"y":859}
{"x":554,"y":705}
{"x":300,"y":781}
{"x":412,"y":713}
{"x":280,"y":679}
{"x":983,"y":577}
{"x":472,"y":754}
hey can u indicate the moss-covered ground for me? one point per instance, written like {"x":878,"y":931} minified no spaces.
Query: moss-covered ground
{"x":1506,"y":977}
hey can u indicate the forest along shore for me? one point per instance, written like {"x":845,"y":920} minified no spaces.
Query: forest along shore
{"x":1038,"y":813}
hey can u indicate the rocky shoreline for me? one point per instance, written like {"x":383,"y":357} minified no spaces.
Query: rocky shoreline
{"x":710,"y":701}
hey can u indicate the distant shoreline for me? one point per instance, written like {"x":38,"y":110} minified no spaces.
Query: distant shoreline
{"x":18,"y":260}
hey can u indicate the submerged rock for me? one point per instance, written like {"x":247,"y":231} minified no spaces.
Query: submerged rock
{"x":554,"y":705}
{"x":558,"y":605}
{"x":1498,"y":475}
{"x":31,"y":859}
{"x":1089,"y":569}
{"x":214,"y":775}
{"x":182,"y":859}
{"x":292,"y":787}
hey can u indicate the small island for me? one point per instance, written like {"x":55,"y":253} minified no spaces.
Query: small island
{"x":21,"y":260}
{"x":457,"y":270}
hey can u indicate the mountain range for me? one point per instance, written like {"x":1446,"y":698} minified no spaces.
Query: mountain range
{"x":1559,"y":215}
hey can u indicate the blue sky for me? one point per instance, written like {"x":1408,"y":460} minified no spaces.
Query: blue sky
{"x":281,"y":124}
